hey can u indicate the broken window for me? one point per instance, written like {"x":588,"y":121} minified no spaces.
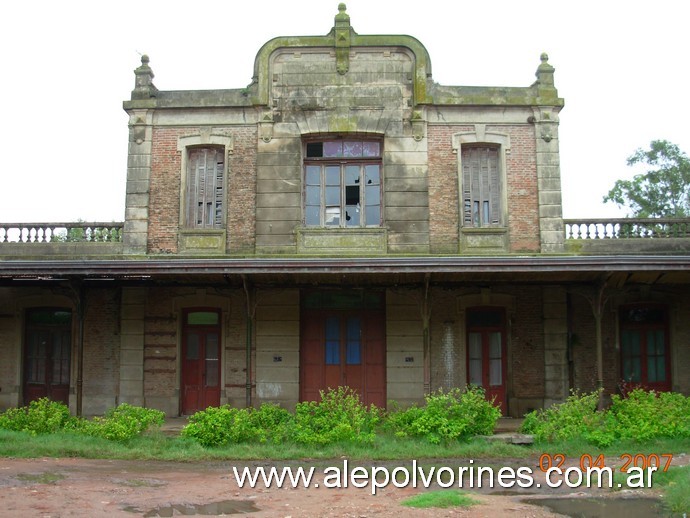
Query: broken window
{"x":343,"y":183}
{"x":481,"y":186}
{"x":205,"y":187}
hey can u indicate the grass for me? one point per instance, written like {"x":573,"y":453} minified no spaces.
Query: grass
{"x":676,"y":485}
{"x":442,"y":498}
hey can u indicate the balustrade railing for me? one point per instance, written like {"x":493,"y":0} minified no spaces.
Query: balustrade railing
{"x":624,"y":228}
{"x":83,"y":232}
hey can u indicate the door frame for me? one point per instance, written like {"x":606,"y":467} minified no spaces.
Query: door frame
{"x":503,"y":329}
{"x":182,"y":344}
{"x":23,"y":350}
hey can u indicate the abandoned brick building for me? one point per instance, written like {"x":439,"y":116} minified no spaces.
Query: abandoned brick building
{"x":343,"y":220}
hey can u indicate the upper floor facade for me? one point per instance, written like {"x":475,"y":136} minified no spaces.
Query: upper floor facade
{"x":342,"y":144}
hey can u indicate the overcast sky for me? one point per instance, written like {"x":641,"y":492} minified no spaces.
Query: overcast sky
{"x":622,"y":68}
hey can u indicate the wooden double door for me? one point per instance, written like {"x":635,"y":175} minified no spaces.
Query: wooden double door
{"x":47,"y":354}
{"x":343,"y":348}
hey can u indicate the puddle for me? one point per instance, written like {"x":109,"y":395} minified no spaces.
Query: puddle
{"x":602,"y":507}
{"x":210,"y":509}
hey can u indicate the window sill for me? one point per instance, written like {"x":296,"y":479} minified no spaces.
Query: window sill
{"x":202,"y":241}
{"x":483,"y":240}
{"x":342,"y":241}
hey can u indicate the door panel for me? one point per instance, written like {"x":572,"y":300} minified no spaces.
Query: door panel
{"x":486,"y":359}
{"x":47,"y":355}
{"x":201,"y":360}
{"x":343,"y":348}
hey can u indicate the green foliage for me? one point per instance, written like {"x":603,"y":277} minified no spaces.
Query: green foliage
{"x":44,"y":416}
{"x":443,"y":499}
{"x":339,"y":416}
{"x":219,"y":426}
{"x":640,"y":416}
{"x":643,"y":415}
{"x":41,"y":416}
{"x":663,"y":190}
{"x":576,"y":417}
{"x":676,"y":484}
{"x":121,"y":423}
{"x":448,"y":416}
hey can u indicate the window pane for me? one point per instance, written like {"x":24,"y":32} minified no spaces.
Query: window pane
{"x":207,"y":318}
{"x":352,"y":215}
{"x":333,"y":195}
{"x":630,"y":343}
{"x":192,"y":346}
{"x":352,"y":149}
{"x":495,"y":373}
{"x":333,"y":216}
{"x":371,"y":149}
{"x":313,"y":195}
{"x":354,"y":347}
{"x":332,"y":341}
{"x":475,"y":346}
{"x":476,"y":372}
{"x":315,"y":149}
{"x":373,"y":215}
{"x":313,"y":175}
{"x":332,"y":149}
{"x":352,"y":194}
{"x":373,"y":174}
{"x":332,"y":175}
{"x":211,"y":346}
{"x":352,"y":175}
{"x":631,"y":369}
{"x":373,"y":195}
{"x":484,"y":318}
{"x":495,"y":346}
{"x":211,"y":367}
{"x":313,"y":215}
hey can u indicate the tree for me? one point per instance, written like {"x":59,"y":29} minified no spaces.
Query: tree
{"x":663,"y":191}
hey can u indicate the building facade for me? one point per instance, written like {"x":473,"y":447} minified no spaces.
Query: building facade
{"x":343,"y":220}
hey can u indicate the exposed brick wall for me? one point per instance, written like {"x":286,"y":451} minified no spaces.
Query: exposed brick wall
{"x":242,"y":191}
{"x":164,"y":197}
{"x":160,"y":344}
{"x":526,"y":342}
{"x":444,"y":215}
{"x":521,"y":177}
{"x":102,"y":343}
{"x":166,"y":177}
{"x":522,"y":188}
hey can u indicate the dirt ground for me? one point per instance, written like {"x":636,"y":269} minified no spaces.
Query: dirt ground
{"x":50,"y":487}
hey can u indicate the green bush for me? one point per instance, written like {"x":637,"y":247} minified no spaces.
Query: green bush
{"x":121,"y":423}
{"x":339,"y":416}
{"x":576,"y":417}
{"x":639,"y":415}
{"x":41,"y":416}
{"x":448,"y":416}
{"x":644,"y":415}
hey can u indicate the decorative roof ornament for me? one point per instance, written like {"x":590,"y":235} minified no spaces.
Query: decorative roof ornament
{"x":342,"y":32}
{"x":143,"y":83}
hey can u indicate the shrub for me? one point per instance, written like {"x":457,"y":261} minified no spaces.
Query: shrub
{"x":218,"y":426}
{"x":576,"y":417}
{"x":339,"y":416}
{"x":448,"y":416}
{"x":121,"y":423}
{"x":644,"y":415}
{"x":41,"y":416}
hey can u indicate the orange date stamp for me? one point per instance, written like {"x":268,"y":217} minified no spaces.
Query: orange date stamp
{"x":661,"y":462}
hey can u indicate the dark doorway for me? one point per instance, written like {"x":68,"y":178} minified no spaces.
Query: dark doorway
{"x":47,"y":354}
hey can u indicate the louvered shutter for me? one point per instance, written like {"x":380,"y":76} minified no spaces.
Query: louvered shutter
{"x":205,"y":188}
{"x":481,"y":186}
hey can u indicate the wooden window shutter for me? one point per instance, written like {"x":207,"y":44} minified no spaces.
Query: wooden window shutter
{"x":481,"y":186}
{"x":205,"y":188}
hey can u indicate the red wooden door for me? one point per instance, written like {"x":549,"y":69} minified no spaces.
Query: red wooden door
{"x":486,"y":359}
{"x":343,"y":348}
{"x":645,"y":355}
{"x":200,"y":362}
{"x":47,"y":355}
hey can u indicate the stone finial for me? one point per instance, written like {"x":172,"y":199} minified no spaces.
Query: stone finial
{"x":143,"y":82}
{"x":545,"y":72}
{"x":342,"y":32}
